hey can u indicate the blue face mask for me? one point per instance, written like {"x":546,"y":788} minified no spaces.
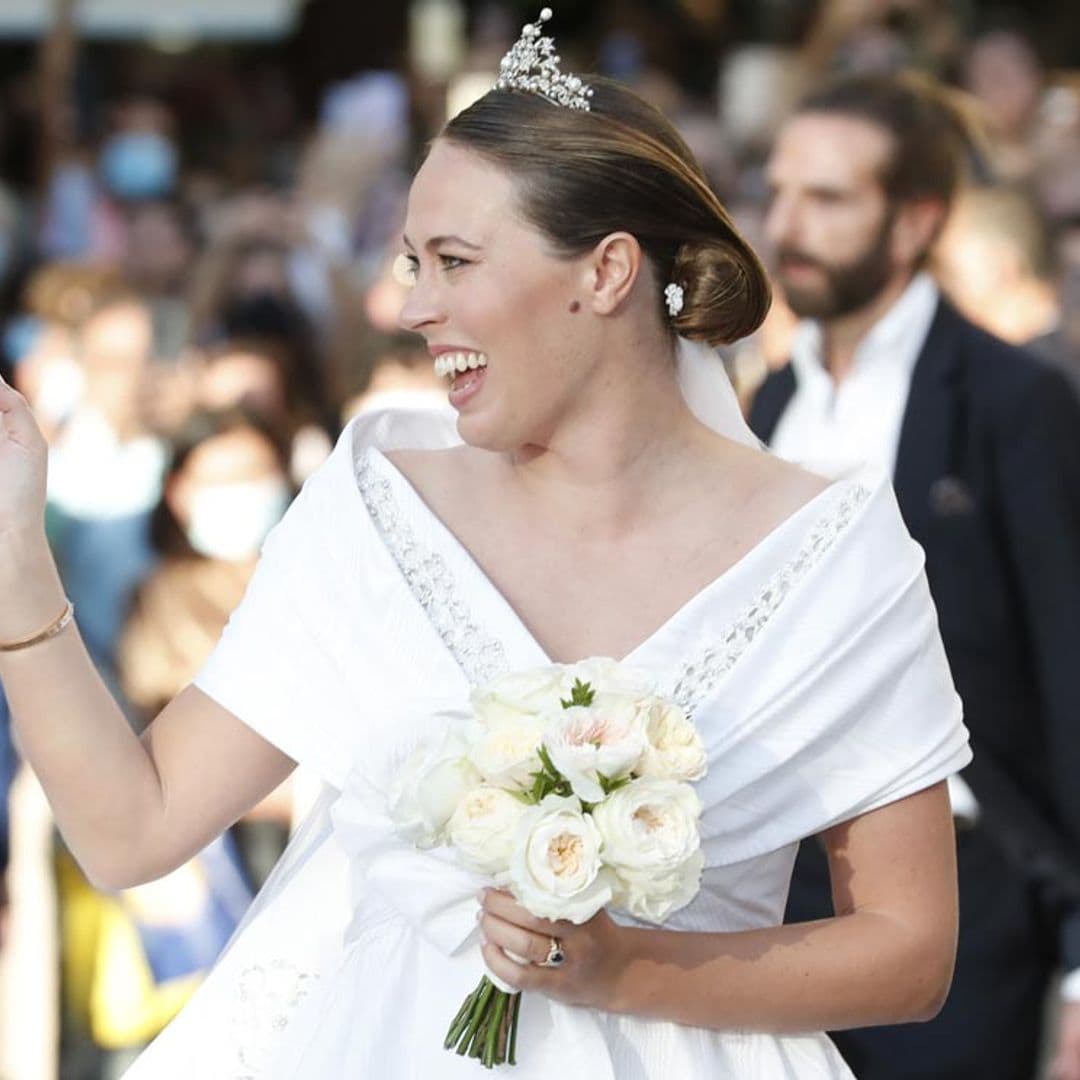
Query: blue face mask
{"x":138,"y":165}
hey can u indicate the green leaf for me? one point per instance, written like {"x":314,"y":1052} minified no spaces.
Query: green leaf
{"x":581,"y":694}
{"x":538,"y":787}
{"x":554,"y":781}
{"x":607,"y":786}
{"x":549,"y":766}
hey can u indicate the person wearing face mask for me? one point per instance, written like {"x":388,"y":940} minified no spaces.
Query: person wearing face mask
{"x":138,"y":165}
{"x":225,"y":489}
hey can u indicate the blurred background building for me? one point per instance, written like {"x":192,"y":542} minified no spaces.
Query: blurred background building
{"x":200,"y":205}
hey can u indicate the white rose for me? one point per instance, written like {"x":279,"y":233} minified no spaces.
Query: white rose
{"x":675,"y":750}
{"x":505,"y":752}
{"x":442,"y":787}
{"x":607,"y":738}
{"x":605,"y":676}
{"x":555,"y":870}
{"x":429,"y":786}
{"x":483,"y":828}
{"x":521,"y":693}
{"x":649,"y":826}
{"x":652,"y":897}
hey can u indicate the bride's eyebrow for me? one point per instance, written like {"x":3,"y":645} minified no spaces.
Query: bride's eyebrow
{"x":438,"y":241}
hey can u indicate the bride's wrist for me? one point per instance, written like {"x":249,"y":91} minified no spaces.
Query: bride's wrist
{"x":33,"y":595}
{"x":22,"y":545}
{"x":624,"y":950}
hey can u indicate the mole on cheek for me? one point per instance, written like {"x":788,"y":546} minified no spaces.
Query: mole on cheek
{"x":575,"y":307}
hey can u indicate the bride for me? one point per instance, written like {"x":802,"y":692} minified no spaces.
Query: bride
{"x":591,"y":492}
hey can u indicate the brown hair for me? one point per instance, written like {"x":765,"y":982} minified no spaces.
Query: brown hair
{"x":622,"y":167}
{"x":933,"y":136}
{"x":72,"y":292}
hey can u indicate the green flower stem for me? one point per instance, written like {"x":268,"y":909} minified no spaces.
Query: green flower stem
{"x":515,"y":1005}
{"x":486,"y":1026}
{"x":504,"y":1030}
{"x":491,"y":1044}
{"x":479,"y":1043}
{"x":461,"y":1020}
{"x":478,"y":1012}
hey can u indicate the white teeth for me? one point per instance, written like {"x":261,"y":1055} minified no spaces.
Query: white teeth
{"x":453,"y":363}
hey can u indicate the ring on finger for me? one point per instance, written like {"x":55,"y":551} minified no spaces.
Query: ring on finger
{"x":555,"y":955}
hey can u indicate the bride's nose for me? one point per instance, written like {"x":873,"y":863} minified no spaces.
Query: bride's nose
{"x":420,"y":308}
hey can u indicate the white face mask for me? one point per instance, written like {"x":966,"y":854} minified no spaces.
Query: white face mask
{"x":230,"y":521}
{"x":62,"y":385}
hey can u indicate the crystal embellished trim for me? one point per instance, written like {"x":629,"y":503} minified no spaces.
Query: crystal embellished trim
{"x":480,"y":656}
{"x":267,"y":998}
{"x":700,"y":675}
{"x":532,"y":65}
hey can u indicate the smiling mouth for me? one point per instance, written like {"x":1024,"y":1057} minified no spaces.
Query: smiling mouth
{"x":452,"y":364}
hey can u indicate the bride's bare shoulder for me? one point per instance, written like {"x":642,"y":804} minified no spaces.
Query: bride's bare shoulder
{"x":790,"y":480}
{"x":773,"y":487}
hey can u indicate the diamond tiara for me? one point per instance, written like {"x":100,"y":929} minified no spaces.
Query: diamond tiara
{"x":533,"y":66}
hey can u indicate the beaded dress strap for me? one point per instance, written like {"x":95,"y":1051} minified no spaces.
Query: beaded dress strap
{"x":699,"y":675}
{"x":479,"y":655}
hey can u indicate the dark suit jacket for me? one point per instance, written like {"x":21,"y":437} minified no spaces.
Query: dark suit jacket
{"x":988,"y":481}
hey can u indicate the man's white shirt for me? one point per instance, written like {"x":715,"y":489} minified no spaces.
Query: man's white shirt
{"x":832,"y":429}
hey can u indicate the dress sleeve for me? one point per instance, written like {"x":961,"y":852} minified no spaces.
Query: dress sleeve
{"x":843,"y":703}
{"x":277,"y":666}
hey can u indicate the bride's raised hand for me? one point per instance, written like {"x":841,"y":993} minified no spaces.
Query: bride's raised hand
{"x":23,"y":455}
{"x":593,"y":953}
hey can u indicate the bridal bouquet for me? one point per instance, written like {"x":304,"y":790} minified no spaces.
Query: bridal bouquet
{"x":568,"y":786}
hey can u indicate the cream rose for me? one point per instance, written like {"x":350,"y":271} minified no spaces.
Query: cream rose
{"x":505,"y":752}
{"x":649,"y":826}
{"x":555,"y":869}
{"x":605,"y":738}
{"x":517,"y":695}
{"x":429,"y":787}
{"x":675,"y":750}
{"x":605,"y":676}
{"x":483,"y":827}
{"x":653,"y":897}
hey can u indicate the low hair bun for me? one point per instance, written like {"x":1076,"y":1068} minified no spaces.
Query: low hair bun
{"x":726,"y":292}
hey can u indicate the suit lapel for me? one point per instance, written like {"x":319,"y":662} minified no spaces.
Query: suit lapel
{"x":931,"y":433}
{"x":770,"y":401}
{"x":932,"y":429}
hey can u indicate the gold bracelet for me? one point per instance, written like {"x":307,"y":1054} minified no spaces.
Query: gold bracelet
{"x":55,"y":627}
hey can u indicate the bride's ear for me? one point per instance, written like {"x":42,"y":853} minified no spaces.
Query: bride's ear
{"x":612,"y":270}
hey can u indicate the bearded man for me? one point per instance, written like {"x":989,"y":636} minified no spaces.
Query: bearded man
{"x":983,"y":443}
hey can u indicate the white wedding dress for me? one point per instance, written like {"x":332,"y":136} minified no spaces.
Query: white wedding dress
{"x":813,"y":668}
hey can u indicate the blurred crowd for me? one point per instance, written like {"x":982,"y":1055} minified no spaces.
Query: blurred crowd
{"x":197,"y":291}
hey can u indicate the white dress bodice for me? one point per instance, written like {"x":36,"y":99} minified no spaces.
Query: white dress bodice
{"x":812,"y":668}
